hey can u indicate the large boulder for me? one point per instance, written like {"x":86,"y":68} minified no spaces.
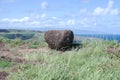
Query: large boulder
{"x":59,"y":39}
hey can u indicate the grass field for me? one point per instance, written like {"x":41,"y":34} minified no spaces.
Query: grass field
{"x":96,"y":60}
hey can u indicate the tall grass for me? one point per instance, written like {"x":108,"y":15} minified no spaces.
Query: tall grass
{"x":91,"y":62}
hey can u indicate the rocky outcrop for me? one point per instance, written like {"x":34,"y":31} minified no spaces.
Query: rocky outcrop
{"x":59,"y":39}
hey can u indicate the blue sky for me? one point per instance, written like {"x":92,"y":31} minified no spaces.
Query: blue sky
{"x":92,"y":15}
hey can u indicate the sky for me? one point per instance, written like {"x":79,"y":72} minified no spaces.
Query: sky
{"x":92,"y":15}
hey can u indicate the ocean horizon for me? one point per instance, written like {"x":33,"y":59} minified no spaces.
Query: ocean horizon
{"x":110,"y":37}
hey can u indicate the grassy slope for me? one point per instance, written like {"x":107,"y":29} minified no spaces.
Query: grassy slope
{"x":91,"y":62}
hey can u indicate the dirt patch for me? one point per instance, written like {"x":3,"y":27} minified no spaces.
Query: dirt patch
{"x":17,"y":55}
{"x":3,"y":75}
{"x":3,"y":47}
{"x":18,"y":68}
{"x":39,"y":50}
{"x":112,"y":50}
{"x":7,"y":55}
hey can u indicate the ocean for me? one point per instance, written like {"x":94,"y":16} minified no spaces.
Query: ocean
{"x":110,"y":37}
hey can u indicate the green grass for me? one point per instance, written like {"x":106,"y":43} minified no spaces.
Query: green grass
{"x":4,"y":63}
{"x":89,"y":63}
{"x":34,"y":42}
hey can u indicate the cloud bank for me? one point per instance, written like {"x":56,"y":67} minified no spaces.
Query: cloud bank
{"x":109,"y":10}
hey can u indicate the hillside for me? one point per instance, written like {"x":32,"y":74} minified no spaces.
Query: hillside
{"x":31,"y":59}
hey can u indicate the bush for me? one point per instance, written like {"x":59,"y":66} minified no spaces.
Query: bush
{"x":5,"y":40}
{"x":17,"y":42}
{"x":33,"y":46}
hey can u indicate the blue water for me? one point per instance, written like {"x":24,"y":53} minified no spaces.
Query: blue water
{"x":102,"y":36}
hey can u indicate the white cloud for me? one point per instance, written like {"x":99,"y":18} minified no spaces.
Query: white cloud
{"x":38,"y":20}
{"x":35,"y":23}
{"x":95,"y":24}
{"x":38,"y":16}
{"x":44,"y":5}
{"x":70,"y":22}
{"x":114,"y":12}
{"x":106,"y":11}
{"x":110,"y":4}
{"x":42,"y":21}
{"x":98,"y":11}
{"x":43,"y":15}
{"x":24,"y":19}
{"x":54,"y":17}
{"x":5,"y":19}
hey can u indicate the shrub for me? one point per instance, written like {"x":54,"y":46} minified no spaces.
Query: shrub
{"x":33,"y":46}
{"x":17,"y":42}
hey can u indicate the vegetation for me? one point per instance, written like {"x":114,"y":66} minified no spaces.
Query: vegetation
{"x":96,"y":60}
{"x":5,"y":63}
{"x":19,"y":38}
